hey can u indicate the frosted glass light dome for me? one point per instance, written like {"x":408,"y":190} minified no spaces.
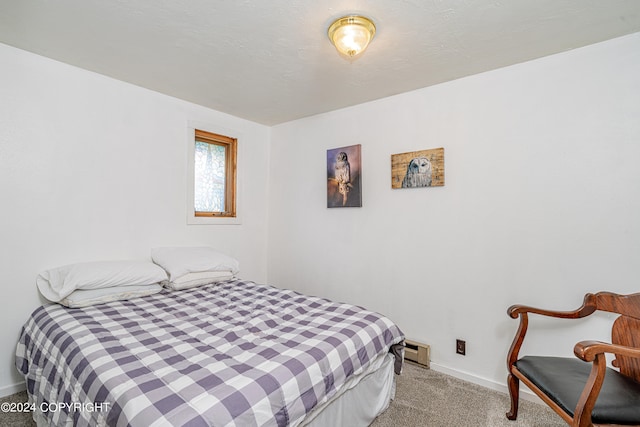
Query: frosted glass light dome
{"x":351,"y":34}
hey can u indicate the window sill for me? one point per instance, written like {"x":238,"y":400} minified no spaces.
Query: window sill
{"x":213,"y":220}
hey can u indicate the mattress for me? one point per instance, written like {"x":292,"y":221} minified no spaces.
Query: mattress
{"x":234,"y":353}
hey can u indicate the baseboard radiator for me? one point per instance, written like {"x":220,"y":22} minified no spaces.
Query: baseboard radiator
{"x":417,"y":352}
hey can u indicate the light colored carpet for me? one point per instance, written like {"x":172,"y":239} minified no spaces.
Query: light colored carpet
{"x":15,"y":419}
{"x":423,"y":398}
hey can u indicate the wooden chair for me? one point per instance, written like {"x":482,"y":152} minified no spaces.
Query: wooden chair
{"x":580,"y":392}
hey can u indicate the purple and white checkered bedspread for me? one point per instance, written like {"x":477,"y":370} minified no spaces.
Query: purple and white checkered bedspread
{"x":236,"y":353}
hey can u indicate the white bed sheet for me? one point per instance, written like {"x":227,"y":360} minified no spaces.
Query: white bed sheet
{"x":361,"y":401}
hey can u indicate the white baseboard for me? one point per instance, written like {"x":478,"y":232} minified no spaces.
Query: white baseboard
{"x":8,"y":390}
{"x":525,"y":393}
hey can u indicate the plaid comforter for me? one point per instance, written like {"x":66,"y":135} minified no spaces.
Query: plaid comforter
{"x":233,"y":353}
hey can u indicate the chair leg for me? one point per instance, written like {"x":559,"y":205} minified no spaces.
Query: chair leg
{"x":514,"y":393}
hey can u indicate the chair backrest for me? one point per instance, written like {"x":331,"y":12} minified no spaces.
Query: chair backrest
{"x":626,"y":328}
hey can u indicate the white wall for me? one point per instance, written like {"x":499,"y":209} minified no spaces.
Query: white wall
{"x":95,"y":169}
{"x":541,"y":205}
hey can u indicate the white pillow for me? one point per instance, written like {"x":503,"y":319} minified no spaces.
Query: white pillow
{"x":191,"y":280}
{"x":87,"y":297}
{"x":57,"y":283}
{"x":180,"y":261}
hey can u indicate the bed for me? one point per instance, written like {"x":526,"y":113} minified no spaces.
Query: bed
{"x":233,"y":353}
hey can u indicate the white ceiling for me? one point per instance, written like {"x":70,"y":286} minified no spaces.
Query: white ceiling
{"x":270,"y":61}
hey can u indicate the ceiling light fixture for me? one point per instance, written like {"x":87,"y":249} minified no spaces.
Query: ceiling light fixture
{"x":351,"y":34}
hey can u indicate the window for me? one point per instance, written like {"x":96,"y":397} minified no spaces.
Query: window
{"x":214,"y":185}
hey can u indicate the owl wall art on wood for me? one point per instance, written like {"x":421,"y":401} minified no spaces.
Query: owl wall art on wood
{"x":418,"y":169}
{"x":344,"y":177}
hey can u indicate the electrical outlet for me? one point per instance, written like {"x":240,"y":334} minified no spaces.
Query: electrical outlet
{"x":461,"y":347}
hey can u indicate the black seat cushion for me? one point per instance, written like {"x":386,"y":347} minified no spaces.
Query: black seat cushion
{"x":563,"y":380}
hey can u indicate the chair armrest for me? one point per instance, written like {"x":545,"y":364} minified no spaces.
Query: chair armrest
{"x":587,"y":350}
{"x":588,"y":307}
{"x":593,"y":351}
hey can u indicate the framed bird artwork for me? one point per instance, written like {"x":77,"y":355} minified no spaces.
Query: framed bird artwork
{"x":344,"y":173}
{"x":418,"y":169}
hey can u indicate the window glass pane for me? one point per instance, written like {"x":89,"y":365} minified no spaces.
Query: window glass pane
{"x":209,"y":177}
